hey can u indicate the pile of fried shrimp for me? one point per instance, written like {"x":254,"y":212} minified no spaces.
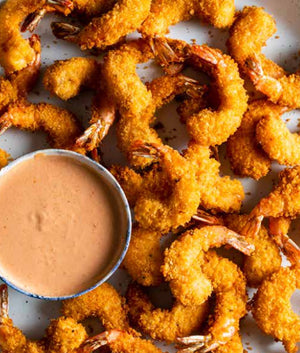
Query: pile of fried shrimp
{"x":179,"y":194}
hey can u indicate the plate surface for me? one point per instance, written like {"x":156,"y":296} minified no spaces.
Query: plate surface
{"x":33,"y":315}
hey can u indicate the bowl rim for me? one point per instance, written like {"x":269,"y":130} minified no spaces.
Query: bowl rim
{"x":113,"y":182}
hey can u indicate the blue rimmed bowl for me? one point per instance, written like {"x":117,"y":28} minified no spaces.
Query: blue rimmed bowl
{"x":120,"y":201}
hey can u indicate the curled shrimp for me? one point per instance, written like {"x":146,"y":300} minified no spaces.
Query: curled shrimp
{"x":166,"y":213}
{"x":125,"y":17}
{"x":60,"y":80}
{"x":249,"y":34}
{"x":16,"y":53}
{"x":272,"y":309}
{"x":265,"y":259}
{"x":247,"y":158}
{"x":60,"y":125}
{"x":104,"y":303}
{"x":229,"y":286}
{"x":164,"y":324}
{"x":167,"y":12}
{"x":185,"y":257}
{"x":144,"y":257}
{"x":63,"y":334}
{"x":277,"y":141}
{"x":210,"y":127}
{"x":119,"y":342}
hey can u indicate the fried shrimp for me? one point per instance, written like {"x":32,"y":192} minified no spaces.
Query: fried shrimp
{"x":248,"y":35}
{"x":144,"y":257}
{"x":119,"y":342}
{"x":272,"y":308}
{"x":217,"y":194}
{"x":104,"y":303}
{"x":247,"y":158}
{"x":125,"y":17}
{"x":16,"y":52}
{"x":229,"y":286}
{"x":166,"y":13}
{"x":60,"y":125}
{"x":168,"y":213}
{"x":63,"y":335}
{"x":163,"y":324}
{"x":183,"y":261}
{"x":92,"y":8}
{"x":265,"y":259}
{"x":209,"y":127}
{"x":65,"y":78}
{"x":277,"y":141}
{"x":60,"y":80}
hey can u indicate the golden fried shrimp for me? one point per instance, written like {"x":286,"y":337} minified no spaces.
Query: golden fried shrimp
{"x":229,"y":286}
{"x":63,"y":335}
{"x":65,"y":78}
{"x":184,"y":259}
{"x":161,"y":213}
{"x":60,"y":125}
{"x":277,"y":141}
{"x":217,"y":194}
{"x":163,"y":324}
{"x":144,"y":257}
{"x":4,"y":158}
{"x":17,"y":85}
{"x":265,"y":259}
{"x":209,"y":127}
{"x":248,"y":35}
{"x":125,"y":17}
{"x":104,"y":303}
{"x":60,"y":80}
{"x":119,"y":342}
{"x":272,"y":309}
{"x":16,"y":52}
{"x":235,"y":345}
{"x":166,"y":13}
{"x":247,"y":158}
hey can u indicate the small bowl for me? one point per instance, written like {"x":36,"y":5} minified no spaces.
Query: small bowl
{"x":121,"y":200}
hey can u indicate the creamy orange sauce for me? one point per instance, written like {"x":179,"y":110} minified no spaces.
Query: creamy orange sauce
{"x":58,"y":226}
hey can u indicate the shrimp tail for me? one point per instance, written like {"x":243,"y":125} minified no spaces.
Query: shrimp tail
{"x":63,"y":30}
{"x":5,"y":122}
{"x":207,"y":218}
{"x":100,"y":340}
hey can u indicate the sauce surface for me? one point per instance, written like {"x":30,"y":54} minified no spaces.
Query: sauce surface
{"x":57,"y":226}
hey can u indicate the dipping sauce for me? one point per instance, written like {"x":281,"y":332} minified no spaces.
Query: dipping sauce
{"x":58,"y":226}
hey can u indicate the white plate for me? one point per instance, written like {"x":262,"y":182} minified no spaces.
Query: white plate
{"x":33,"y":315}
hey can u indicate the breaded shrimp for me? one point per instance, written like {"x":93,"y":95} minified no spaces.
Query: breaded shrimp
{"x":60,"y":125}
{"x":104,"y":303}
{"x":218,"y":194}
{"x":119,"y":342}
{"x":185,"y":257}
{"x":16,"y":52}
{"x":272,"y":309}
{"x":164,"y":324}
{"x":165,"y":13}
{"x":210,"y":127}
{"x":125,"y":17}
{"x":60,"y":80}
{"x":265,"y":259}
{"x":277,"y":141}
{"x":248,"y":35}
{"x":144,"y":257}
{"x":160,"y":213}
{"x":62,"y":336}
{"x":229,"y":286}
{"x":246,"y":156}
{"x":65,"y":78}
{"x":92,"y":8}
